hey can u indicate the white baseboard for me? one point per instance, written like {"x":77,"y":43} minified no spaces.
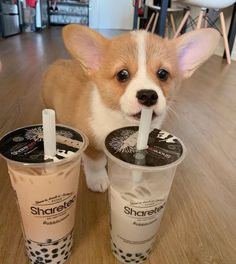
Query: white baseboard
{"x":233,"y":55}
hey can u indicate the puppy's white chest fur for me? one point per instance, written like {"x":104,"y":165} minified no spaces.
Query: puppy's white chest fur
{"x":103,"y":119}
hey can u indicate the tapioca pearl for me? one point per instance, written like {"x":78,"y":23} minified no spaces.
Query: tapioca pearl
{"x":55,"y":255}
{"x":66,"y":253}
{"x":44,"y":250}
{"x":127,"y":261}
{"x":56,"y":243}
{"x":37,"y":253}
{"x":30,"y":247}
{"x":66,"y":257}
{"x":65,"y":239}
{"x":63,"y":246}
{"x":32,"y":254}
{"x":48,"y":260}
{"x":69,"y":244}
{"x":114,"y":245}
{"x":58,"y":262}
{"x":123,"y":257}
{"x":40,"y":258}
{"x":149,"y":250}
{"x":137,"y":261}
{"x":46,"y":256}
{"x":62,"y":253}
{"x":138,"y":254}
{"x":55,"y":250}
{"x":28,"y":241}
{"x":121,"y":251}
{"x":145,"y":258}
{"x":49,"y":241}
{"x":115,"y":252}
{"x":129,"y":255}
{"x":38,"y":262}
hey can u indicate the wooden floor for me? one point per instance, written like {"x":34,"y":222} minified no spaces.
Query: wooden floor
{"x":199,"y":224}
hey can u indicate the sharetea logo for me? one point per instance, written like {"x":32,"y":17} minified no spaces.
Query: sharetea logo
{"x":143,"y":213}
{"x":42,"y":211}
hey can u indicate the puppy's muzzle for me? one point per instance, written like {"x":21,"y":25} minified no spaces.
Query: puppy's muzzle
{"x":147,"y":97}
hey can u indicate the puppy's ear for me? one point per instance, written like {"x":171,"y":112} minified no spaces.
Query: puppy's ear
{"x":194,"y":48}
{"x":85,"y":45}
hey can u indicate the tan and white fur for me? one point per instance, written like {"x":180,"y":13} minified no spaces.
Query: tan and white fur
{"x":87,"y":92}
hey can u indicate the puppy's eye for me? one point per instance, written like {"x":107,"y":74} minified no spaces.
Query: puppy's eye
{"x":122,"y":76}
{"x":162,"y":75}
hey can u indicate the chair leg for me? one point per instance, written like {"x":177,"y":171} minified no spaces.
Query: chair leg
{"x":205,"y":21}
{"x":172,"y":22}
{"x":155,"y":22}
{"x":184,"y":20}
{"x":150,"y":21}
{"x":223,"y":28}
{"x":199,"y":22}
{"x":167,"y":27}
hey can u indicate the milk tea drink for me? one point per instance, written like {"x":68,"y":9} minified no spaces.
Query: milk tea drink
{"x":140,"y":185}
{"x":45,"y":189}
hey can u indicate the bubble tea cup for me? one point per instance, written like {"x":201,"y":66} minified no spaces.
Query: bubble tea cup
{"x":140,"y":182}
{"x":45,"y":189}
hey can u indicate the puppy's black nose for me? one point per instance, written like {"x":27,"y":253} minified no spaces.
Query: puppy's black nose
{"x":147,"y":97}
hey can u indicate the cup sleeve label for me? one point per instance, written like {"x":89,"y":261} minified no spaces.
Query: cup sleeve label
{"x":46,"y":202}
{"x":134,"y":223}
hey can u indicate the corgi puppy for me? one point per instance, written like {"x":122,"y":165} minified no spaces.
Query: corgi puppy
{"x":108,"y":81}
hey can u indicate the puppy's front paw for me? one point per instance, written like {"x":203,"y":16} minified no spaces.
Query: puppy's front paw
{"x":97,"y":181}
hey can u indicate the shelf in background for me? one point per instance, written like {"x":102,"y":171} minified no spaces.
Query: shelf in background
{"x":72,"y":3}
{"x":70,"y":12}
{"x":65,"y":23}
{"x":67,"y":14}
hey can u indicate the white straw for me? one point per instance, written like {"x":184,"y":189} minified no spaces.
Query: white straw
{"x":143,"y":134}
{"x":144,"y":128}
{"x":49,"y":132}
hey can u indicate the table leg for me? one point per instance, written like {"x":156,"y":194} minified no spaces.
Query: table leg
{"x":232,"y":31}
{"x":135,"y":21}
{"x":160,"y":29}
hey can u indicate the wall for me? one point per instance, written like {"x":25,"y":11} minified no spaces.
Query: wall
{"x":111,"y":14}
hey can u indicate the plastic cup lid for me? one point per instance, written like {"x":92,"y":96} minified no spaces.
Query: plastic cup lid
{"x":25,"y":145}
{"x":163,"y":149}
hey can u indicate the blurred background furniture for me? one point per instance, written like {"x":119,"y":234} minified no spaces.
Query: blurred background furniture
{"x":10,"y":18}
{"x":141,"y":8}
{"x":232,"y":30}
{"x":70,"y":11}
{"x":173,"y":8}
{"x":203,"y":19}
